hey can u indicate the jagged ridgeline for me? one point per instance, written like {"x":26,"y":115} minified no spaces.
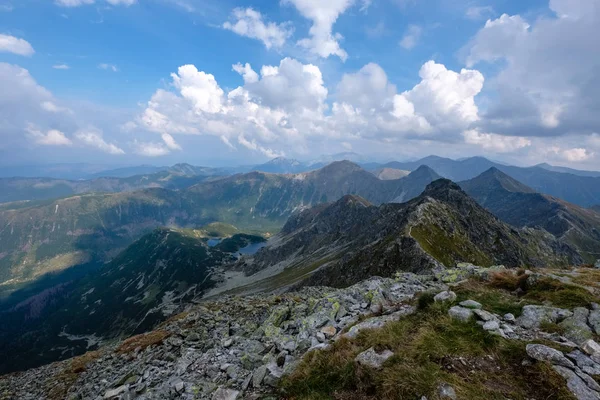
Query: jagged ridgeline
{"x":351,"y":239}
{"x":54,"y":235}
{"x":521,"y":206}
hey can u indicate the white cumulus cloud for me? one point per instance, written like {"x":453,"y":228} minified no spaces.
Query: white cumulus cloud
{"x":93,"y":138}
{"x":11,"y":44}
{"x":52,"y":137}
{"x":249,"y":22}
{"x":495,"y":142}
{"x":323,"y":14}
{"x":548,"y":82}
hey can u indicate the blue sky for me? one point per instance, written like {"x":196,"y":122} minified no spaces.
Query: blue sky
{"x":383,"y":78}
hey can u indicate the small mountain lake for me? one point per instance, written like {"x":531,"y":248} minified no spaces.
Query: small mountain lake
{"x":251,"y":248}
{"x":244,"y":251}
{"x":212,"y":242}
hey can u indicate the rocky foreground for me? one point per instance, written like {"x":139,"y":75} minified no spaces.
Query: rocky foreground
{"x":257,"y":347}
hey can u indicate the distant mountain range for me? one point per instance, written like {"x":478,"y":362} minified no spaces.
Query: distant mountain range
{"x":179,"y":176}
{"x":51,"y":236}
{"x":521,"y":206}
{"x":578,"y":187}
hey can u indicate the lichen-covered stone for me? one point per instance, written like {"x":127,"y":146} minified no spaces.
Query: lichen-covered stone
{"x":533,"y":316}
{"x":372,"y":359}
{"x":460,"y":313}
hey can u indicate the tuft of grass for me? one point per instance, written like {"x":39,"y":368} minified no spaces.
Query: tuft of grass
{"x":509,"y":280}
{"x":496,"y":300}
{"x":559,"y":294}
{"x":429,"y":348}
{"x":552,"y":327}
{"x":143,"y":341}
{"x":424,"y":300}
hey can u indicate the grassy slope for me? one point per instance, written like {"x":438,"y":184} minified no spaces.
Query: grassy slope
{"x":430,"y":349}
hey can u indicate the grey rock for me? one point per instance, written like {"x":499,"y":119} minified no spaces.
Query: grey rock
{"x":274,"y":374}
{"x":576,"y":327}
{"x":584,"y":362}
{"x":485,"y":315}
{"x":509,"y":317}
{"x":289,"y":345}
{"x":591,"y":347}
{"x":597,"y":264}
{"x":445,"y":391}
{"x":378,"y":322}
{"x":576,"y":385}
{"x":227,"y":343}
{"x":491,"y":326}
{"x":472,"y":304}
{"x":460,"y":313}
{"x":372,"y":359}
{"x":533,"y":316}
{"x":446,"y":296}
{"x":541,"y":352}
{"x":225,"y":394}
{"x":259,"y":375}
{"x":594,"y":320}
{"x":179,"y":387}
{"x":113,"y":393}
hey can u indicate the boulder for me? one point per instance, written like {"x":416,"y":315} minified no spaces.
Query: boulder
{"x":460,"y":313}
{"x":591,"y":347}
{"x":259,"y":375}
{"x":472,"y":304}
{"x":597,"y":264}
{"x":445,"y":391}
{"x":576,"y":327}
{"x":225,"y":394}
{"x":576,"y":385}
{"x":114,"y":393}
{"x":446,"y":296}
{"x":372,"y":359}
{"x":509,"y":317}
{"x":329,"y":331}
{"x":533,"y":316}
{"x":485,"y":315}
{"x":594,"y":320}
{"x":378,"y":322}
{"x":541,"y":352}
{"x":585,"y":363}
{"x":491,"y":325}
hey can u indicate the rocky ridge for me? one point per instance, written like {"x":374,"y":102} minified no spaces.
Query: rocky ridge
{"x":350,"y":240}
{"x":227,"y":349}
{"x":240,"y":347}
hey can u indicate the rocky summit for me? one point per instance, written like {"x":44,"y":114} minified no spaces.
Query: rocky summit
{"x":277,"y":346}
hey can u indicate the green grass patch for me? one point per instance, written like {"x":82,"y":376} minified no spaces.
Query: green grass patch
{"x":499,"y":301}
{"x":429,"y":348}
{"x":559,"y":294}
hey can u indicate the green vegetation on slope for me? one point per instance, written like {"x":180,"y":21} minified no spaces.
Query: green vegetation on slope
{"x":429,"y":349}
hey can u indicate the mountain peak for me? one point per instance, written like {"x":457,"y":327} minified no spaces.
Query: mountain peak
{"x":494,"y":176}
{"x":353,"y":200}
{"x":344,"y":166}
{"x":441,"y":186}
{"x":424,"y":171}
{"x":283,"y":161}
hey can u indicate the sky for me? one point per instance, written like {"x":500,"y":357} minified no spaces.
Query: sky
{"x":217,"y":82}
